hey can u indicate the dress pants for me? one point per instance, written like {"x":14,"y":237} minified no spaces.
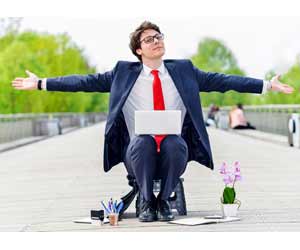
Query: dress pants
{"x":143,"y":162}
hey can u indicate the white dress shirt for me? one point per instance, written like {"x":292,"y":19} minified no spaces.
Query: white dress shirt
{"x":141,"y":96}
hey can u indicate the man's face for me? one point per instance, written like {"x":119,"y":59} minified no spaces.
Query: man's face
{"x":151,"y":48}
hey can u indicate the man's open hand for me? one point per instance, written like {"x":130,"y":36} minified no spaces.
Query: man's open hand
{"x":28,"y":83}
{"x":276,"y":85}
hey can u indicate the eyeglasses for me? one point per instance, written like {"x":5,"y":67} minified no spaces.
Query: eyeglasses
{"x":150,"y":39}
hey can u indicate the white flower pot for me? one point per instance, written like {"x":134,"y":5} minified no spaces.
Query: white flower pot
{"x":230,"y":210}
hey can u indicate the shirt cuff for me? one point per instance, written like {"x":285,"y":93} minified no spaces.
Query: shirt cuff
{"x":266,"y":87}
{"x":44,"y":84}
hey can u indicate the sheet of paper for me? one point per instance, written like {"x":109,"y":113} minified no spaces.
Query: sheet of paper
{"x":201,"y":221}
{"x":88,"y":220}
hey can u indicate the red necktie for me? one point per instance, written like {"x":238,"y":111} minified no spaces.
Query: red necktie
{"x":158,"y":102}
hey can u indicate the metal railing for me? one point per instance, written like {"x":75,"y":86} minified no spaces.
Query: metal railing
{"x":267,"y":118}
{"x":18,"y":126}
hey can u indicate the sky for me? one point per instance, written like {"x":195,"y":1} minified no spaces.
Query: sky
{"x":259,"y":34}
{"x":258,"y":43}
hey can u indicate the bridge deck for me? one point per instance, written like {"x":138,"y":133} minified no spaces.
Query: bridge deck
{"x":45,"y":185}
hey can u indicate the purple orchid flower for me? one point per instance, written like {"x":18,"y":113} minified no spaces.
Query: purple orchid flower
{"x":237,"y":168}
{"x":237,"y":171}
{"x":223,"y":168}
{"x":228,"y":179}
{"x":238,"y":178}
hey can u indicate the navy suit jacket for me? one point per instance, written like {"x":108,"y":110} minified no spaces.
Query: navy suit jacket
{"x":188,"y":80}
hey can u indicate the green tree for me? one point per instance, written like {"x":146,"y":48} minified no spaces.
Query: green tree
{"x":46,"y":55}
{"x":213,"y":56}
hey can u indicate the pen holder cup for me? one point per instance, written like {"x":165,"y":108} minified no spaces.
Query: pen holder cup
{"x":113,"y":219}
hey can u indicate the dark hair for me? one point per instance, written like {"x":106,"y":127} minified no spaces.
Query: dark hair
{"x":240,"y":106}
{"x":136,"y":36}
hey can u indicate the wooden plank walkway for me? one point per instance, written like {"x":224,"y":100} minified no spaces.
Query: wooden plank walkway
{"x":45,"y":185}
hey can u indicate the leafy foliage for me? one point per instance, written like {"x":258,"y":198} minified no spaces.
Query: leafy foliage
{"x":46,"y":55}
{"x":213,"y":56}
{"x":229,"y":195}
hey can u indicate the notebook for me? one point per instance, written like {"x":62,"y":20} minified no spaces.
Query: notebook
{"x":88,"y":220}
{"x":203,"y":220}
{"x":156,"y":122}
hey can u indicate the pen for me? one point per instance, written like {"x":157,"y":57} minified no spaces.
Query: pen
{"x":105,"y":208}
{"x":120,"y":206}
{"x":115,"y":206}
{"x":109,"y":206}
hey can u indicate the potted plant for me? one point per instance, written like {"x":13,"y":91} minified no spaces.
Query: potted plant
{"x":230,"y":204}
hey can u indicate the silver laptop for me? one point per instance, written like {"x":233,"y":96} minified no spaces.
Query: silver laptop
{"x":157,"y":122}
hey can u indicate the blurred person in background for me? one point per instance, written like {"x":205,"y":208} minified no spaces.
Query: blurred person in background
{"x":237,"y":118}
{"x":211,"y":116}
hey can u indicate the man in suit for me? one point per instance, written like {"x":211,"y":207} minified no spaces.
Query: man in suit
{"x":153,"y":84}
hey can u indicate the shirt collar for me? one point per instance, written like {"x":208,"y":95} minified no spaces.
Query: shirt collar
{"x":148,"y":70}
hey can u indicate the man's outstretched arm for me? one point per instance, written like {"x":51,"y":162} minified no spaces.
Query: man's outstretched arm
{"x":221,"y":83}
{"x":72,"y":83}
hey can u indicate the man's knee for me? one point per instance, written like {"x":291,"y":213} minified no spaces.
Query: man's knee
{"x":143,"y":143}
{"x":174,"y":144}
{"x":173,"y":158}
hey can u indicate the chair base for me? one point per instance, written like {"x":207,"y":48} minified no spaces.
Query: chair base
{"x":177,"y":200}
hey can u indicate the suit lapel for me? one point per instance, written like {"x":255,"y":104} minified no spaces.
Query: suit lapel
{"x":134,"y":73}
{"x":176,"y":77}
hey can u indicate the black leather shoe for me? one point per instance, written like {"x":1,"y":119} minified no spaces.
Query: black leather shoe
{"x":148,"y":211}
{"x":164,"y":212}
